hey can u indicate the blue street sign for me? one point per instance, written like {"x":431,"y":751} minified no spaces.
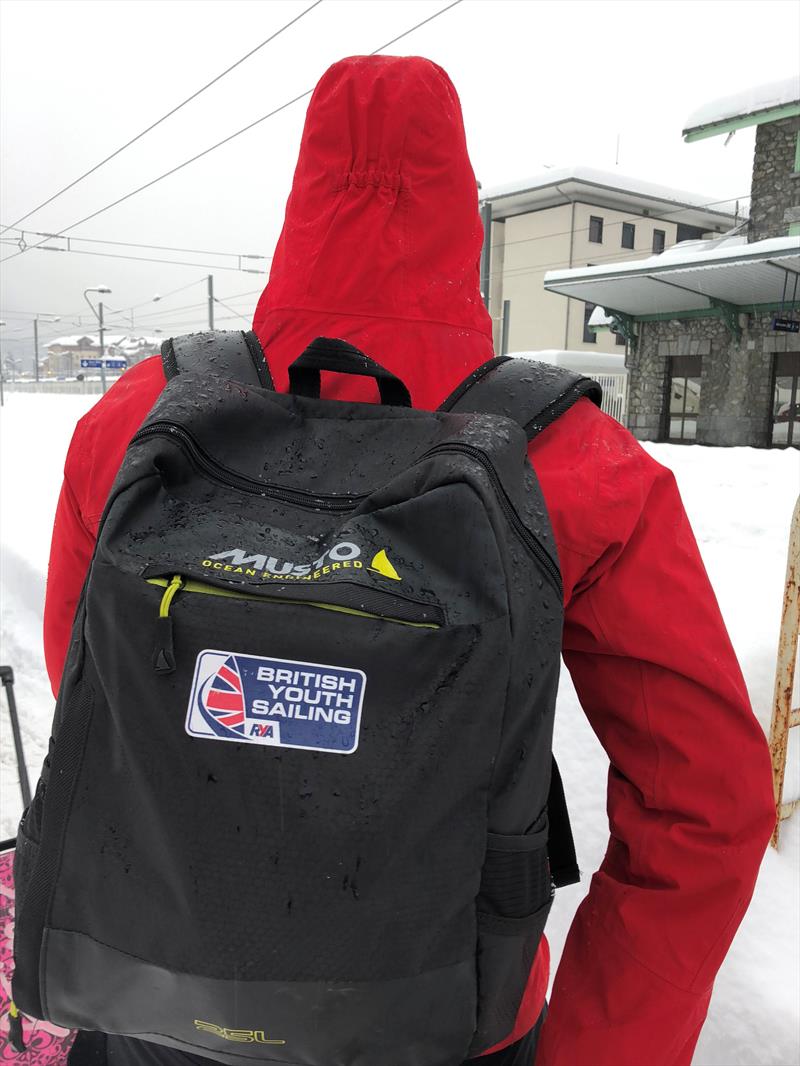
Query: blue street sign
{"x":786,"y":325}
{"x":110,"y":364}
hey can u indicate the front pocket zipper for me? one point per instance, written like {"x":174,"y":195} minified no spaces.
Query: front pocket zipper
{"x":210,"y":468}
{"x":395,"y":609}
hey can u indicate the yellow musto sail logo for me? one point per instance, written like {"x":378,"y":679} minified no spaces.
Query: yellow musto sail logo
{"x":239,"y":1036}
{"x":381,"y":565}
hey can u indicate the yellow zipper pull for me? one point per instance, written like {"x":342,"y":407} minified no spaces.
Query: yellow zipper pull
{"x":169,"y":596}
{"x":164,"y":651}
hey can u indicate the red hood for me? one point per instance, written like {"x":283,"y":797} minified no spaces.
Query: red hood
{"x":382,"y":236}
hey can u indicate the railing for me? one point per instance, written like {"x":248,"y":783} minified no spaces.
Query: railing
{"x":615,"y":394}
{"x":74,"y":388}
{"x":615,"y":390}
{"x":784,"y":716}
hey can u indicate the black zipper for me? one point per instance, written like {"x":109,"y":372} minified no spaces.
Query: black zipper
{"x":528,"y":539}
{"x":216,"y":471}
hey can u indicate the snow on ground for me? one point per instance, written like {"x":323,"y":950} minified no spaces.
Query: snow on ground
{"x":740,"y":502}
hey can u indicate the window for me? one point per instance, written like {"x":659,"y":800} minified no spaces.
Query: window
{"x":786,"y":401}
{"x":595,"y":229}
{"x":659,"y":241}
{"x":628,"y":234}
{"x":687,"y":233}
{"x":589,"y":336}
{"x":618,"y":338}
{"x":684,"y":397}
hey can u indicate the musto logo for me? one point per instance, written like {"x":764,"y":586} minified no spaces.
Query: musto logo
{"x":341,"y":557}
{"x":279,"y":702}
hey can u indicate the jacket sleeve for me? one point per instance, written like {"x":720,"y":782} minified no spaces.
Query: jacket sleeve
{"x":70,"y":553}
{"x":690,"y":802}
{"x":94,"y":457}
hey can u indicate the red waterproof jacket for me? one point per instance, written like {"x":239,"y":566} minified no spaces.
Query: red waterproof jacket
{"x":380,"y":247}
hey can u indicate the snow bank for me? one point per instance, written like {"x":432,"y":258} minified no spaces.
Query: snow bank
{"x":740,"y":502}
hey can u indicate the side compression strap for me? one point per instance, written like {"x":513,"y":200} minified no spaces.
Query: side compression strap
{"x":560,"y":845}
{"x":226,"y":353}
{"x":533,"y":394}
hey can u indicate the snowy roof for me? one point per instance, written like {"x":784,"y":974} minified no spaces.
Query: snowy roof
{"x":584,"y":362}
{"x":742,"y":275}
{"x":757,"y":103}
{"x":139,"y":342}
{"x":70,"y":342}
{"x":568,"y":183}
{"x":598,"y":318}
{"x":112,"y":340}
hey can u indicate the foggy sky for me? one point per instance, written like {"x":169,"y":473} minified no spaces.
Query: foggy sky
{"x":541,"y":83}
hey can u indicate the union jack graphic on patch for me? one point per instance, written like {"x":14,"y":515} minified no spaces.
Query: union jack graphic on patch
{"x":220,"y":699}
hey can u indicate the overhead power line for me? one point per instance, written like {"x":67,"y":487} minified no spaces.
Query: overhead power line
{"x":166,"y":295}
{"x":169,"y":114}
{"x":82,"y":313}
{"x":230,"y":137}
{"x":139,"y":259}
{"x":237,"y":314}
{"x":132,"y":244}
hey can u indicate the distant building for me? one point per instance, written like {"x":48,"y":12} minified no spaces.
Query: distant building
{"x":576,"y":217}
{"x":714,"y":326}
{"x":64,"y":354}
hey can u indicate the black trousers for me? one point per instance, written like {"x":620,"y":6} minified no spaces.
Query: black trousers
{"x":97,"y":1049}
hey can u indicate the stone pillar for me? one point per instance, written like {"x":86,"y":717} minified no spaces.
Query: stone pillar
{"x":775,"y":189}
{"x":647,"y":369}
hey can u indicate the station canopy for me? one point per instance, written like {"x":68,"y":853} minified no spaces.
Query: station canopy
{"x":691,"y":277}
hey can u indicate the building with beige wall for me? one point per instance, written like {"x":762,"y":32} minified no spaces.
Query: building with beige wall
{"x":713,"y":326}
{"x":577,"y":217}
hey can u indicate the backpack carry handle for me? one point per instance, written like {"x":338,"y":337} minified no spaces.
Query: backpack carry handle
{"x":326,"y":353}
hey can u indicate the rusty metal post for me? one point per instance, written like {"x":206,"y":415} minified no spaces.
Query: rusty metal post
{"x":783,"y":715}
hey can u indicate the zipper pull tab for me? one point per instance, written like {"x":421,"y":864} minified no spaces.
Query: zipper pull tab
{"x":15,"y":1034}
{"x":164,"y":653}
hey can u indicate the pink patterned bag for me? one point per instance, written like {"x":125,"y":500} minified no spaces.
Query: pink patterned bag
{"x":46,"y":1044}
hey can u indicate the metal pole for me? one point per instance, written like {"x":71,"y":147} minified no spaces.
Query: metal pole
{"x":7,"y":678}
{"x":506,"y":326}
{"x":36,"y":348}
{"x":102,"y":348}
{"x":210,"y":301}
{"x":486,"y":251}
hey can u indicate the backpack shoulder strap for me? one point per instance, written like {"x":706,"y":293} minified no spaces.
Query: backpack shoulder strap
{"x":226,"y":353}
{"x":533,"y":394}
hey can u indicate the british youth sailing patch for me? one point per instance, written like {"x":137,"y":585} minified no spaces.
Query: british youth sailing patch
{"x":278,"y":702}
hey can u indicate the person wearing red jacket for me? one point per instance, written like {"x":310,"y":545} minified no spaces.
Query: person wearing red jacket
{"x":380,"y":247}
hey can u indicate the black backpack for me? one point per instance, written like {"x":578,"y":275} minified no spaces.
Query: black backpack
{"x":296,"y":804}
